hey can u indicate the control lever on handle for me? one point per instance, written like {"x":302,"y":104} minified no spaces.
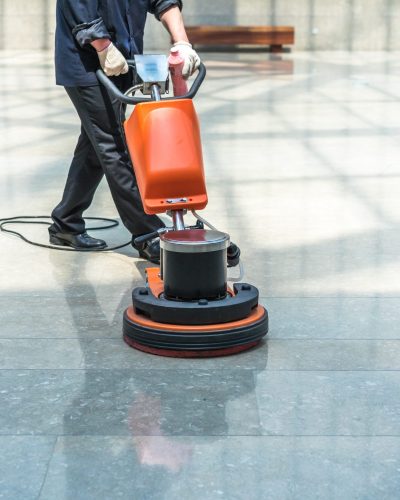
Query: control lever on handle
{"x":141,"y":240}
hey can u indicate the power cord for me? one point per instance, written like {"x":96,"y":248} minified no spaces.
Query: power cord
{"x":35,"y":219}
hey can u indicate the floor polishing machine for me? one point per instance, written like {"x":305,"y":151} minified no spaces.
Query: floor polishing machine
{"x":187,"y":308}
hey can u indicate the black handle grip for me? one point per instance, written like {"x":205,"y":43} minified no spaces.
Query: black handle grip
{"x":202,"y":72}
{"x":141,"y":240}
{"x":115,"y":92}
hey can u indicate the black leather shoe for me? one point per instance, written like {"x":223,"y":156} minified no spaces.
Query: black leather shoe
{"x":78,"y":241}
{"x":149,"y":250}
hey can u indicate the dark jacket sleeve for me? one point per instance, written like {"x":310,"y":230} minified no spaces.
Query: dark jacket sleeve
{"x":83,"y":18}
{"x":157,"y":7}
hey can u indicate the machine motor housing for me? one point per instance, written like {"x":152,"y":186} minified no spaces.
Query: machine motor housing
{"x":194,"y":264}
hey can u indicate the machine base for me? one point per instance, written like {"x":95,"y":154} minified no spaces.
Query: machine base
{"x":194,"y":341}
{"x":150,"y":302}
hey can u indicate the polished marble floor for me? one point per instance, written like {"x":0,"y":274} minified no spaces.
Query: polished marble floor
{"x":302,"y":155}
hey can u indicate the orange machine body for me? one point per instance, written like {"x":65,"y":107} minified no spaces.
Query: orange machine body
{"x":164,"y":143}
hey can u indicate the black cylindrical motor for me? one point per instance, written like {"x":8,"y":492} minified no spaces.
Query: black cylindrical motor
{"x":194,"y":264}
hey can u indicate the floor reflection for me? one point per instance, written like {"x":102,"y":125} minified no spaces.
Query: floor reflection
{"x":154,"y":407}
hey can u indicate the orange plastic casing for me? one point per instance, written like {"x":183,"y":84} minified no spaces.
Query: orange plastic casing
{"x":164,"y":143}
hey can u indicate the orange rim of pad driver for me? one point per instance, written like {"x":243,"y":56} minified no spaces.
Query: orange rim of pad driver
{"x":257,"y":315}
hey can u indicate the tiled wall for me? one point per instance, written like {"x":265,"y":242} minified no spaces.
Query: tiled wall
{"x":320,"y":24}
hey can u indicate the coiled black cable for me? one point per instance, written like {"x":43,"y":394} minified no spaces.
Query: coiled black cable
{"x":35,"y":219}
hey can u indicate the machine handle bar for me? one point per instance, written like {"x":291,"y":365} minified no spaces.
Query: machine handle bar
{"x":115,"y":92}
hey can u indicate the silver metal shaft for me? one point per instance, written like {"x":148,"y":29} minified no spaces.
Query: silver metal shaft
{"x":155,"y":92}
{"x":177,"y":218}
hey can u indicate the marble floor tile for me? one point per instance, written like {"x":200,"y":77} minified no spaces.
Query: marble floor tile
{"x":335,"y":355}
{"x":82,"y":312}
{"x":276,"y":468}
{"x":124,"y":402}
{"x":40,"y":354}
{"x":334,"y":318}
{"x":329,"y":403}
{"x":272,"y":354}
{"x":23,"y":465}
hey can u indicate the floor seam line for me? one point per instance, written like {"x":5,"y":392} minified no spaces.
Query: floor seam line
{"x":48,"y":466}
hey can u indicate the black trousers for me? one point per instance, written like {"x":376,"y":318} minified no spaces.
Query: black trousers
{"x":101,"y":150}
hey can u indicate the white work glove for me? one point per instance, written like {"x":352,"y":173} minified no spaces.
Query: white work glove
{"x":190,"y":56}
{"x":112,"y":61}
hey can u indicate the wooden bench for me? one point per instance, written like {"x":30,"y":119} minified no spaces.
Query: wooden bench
{"x":273,"y":36}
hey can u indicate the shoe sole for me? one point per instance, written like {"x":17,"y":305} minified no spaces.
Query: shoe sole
{"x":145,"y":257}
{"x":63,"y":243}
{"x":153,"y":261}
